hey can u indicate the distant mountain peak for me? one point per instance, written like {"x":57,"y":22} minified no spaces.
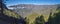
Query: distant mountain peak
{"x":20,"y":5}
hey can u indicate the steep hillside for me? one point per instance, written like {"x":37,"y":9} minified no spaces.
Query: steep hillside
{"x":11,"y":13}
{"x":32,"y":17}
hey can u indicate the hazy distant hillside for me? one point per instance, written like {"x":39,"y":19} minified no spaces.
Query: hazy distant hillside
{"x":30,"y":8}
{"x":32,"y":11}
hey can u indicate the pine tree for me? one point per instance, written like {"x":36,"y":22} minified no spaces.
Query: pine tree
{"x":51,"y":20}
{"x":2,"y":6}
{"x":1,"y":9}
{"x":26,"y":20}
{"x":56,"y":19}
{"x":58,"y":15}
{"x":40,"y":20}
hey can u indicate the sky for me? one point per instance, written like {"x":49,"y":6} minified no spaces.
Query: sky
{"x":37,"y":2}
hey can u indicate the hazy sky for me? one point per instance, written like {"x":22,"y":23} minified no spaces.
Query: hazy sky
{"x":37,"y":2}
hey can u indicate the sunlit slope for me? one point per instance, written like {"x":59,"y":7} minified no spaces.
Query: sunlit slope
{"x":32,"y":17}
{"x":35,"y":14}
{"x":11,"y":14}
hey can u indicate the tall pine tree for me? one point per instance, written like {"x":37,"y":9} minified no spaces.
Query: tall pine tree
{"x":51,"y":20}
{"x":40,"y":20}
{"x":26,"y":20}
{"x":58,"y":15}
